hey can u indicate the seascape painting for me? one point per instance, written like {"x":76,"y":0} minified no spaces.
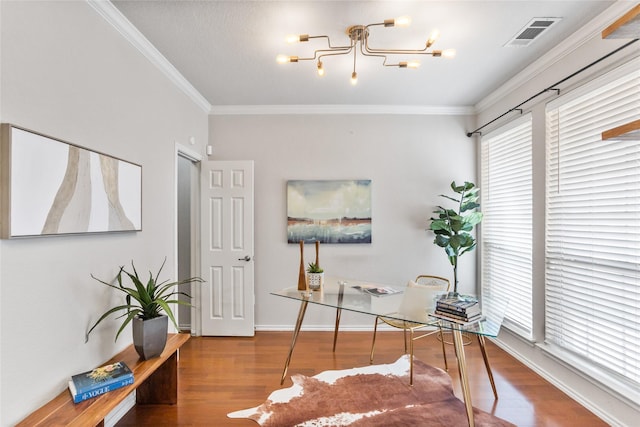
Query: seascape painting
{"x":52,"y":187}
{"x":331,"y":211}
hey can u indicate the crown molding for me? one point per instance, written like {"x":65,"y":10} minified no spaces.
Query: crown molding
{"x":222,"y":110}
{"x":113,"y":16}
{"x":571,"y":43}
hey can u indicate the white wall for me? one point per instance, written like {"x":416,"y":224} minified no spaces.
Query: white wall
{"x":67,"y":73}
{"x":606,"y":403}
{"x":410,"y":160}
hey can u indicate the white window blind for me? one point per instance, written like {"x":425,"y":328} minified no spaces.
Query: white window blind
{"x":506,"y":201}
{"x":593,"y":226}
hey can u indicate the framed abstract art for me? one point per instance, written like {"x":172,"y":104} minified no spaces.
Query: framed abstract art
{"x":329,"y":211}
{"x":51,"y":187}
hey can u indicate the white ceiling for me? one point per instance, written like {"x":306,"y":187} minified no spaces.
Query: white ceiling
{"x":227,"y":49}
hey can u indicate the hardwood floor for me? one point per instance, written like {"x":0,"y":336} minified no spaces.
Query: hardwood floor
{"x":218,"y":375}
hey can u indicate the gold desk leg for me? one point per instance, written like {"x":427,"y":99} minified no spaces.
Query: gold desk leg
{"x":335,"y":331}
{"x":338,"y":314}
{"x":373,"y":343}
{"x":410,"y":359}
{"x":486,"y":364}
{"x":296,"y":331}
{"x":462,"y":368}
{"x":444,"y":352}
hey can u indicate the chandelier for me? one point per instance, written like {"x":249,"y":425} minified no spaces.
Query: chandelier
{"x":359,"y":42}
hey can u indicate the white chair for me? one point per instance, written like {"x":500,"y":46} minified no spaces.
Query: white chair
{"x":418,"y":300}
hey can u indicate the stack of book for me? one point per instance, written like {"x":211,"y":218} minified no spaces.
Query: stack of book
{"x":99,"y":381}
{"x":461,"y":308}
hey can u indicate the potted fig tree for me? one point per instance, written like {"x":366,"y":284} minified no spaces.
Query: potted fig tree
{"x":453,"y":227}
{"x":144,"y":306}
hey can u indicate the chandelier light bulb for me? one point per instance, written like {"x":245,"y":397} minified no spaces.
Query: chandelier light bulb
{"x":449,"y":53}
{"x":410,"y":64}
{"x":402,"y":21}
{"x":283,"y":59}
{"x":295,"y":38}
{"x":354,"y":78}
{"x":433,"y":37}
{"x":320,"y":69}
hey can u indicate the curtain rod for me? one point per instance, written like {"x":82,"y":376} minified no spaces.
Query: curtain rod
{"x":550,"y":88}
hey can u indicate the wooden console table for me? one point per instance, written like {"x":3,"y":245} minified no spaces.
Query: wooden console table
{"x":155,"y":382}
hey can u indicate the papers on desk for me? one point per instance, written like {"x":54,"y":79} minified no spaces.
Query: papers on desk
{"x":378,"y":291}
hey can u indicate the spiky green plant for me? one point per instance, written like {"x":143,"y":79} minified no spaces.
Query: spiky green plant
{"x":314,"y":268}
{"x":144,"y":300}
{"x":453,"y":227}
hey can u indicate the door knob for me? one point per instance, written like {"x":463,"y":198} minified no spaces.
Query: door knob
{"x":246,"y":258}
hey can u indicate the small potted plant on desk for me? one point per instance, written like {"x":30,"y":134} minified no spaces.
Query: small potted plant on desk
{"x":143,"y":307}
{"x":315,"y":277}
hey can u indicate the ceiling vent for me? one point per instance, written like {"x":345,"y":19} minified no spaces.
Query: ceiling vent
{"x":531,"y":31}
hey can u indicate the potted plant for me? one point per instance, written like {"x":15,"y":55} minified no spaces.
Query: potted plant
{"x":315,"y":277}
{"x":143,"y":307}
{"x":453,"y":227}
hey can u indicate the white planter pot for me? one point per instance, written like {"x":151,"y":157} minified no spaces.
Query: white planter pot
{"x":315,"y":281}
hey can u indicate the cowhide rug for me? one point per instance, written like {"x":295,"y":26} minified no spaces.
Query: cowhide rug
{"x":376,"y":395}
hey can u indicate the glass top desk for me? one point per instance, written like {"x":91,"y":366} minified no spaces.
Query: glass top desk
{"x":340,"y":294}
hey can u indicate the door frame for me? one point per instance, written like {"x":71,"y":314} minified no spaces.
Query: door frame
{"x":196,"y":158}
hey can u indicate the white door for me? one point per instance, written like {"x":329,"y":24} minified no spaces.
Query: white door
{"x":227,"y":299}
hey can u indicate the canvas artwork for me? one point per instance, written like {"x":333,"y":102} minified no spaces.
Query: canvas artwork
{"x":50,"y":187}
{"x":330,"y":211}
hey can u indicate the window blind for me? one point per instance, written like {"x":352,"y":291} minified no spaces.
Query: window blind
{"x":506,"y":201}
{"x":592,"y":271}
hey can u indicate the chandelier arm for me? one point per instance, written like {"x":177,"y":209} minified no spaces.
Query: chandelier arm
{"x":332,"y":54}
{"x":355,"y":54}
{"x":336,"y":50}
{"x":329,"y":43}
{"x":376,"y":24}
{"x":401,"y":52}
{"x":384,"y":62}
{"x":422,"y":51}
{"x":397,"y":51}
{"x":365,"y":53}
{"x":316,"y":56}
